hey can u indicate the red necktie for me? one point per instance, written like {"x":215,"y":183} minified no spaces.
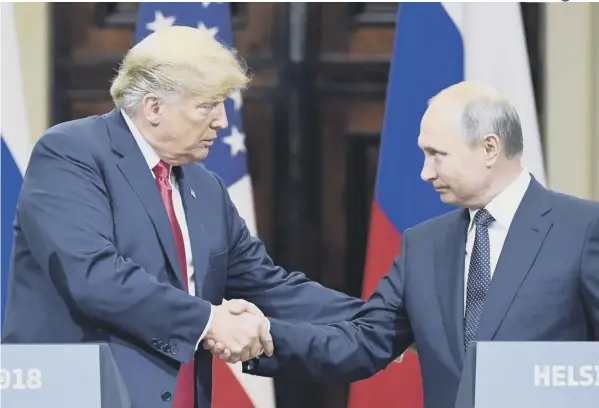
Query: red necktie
{"x":184,"y":394}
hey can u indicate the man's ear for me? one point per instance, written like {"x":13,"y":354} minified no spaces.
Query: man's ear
{"x":492,"y":146}
{"x":151,"y":108}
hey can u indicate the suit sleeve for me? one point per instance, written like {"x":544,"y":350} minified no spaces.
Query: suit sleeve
{"x":66,"y":216}
{"x":590,"y":276}
{"x":349,"y":350}
{"x":288,"y":296}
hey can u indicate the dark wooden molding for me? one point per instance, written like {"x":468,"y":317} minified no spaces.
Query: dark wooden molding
{"x":116,"y":15}
{"x":124,"y":15}
{"x":532,"y":17}
{"x":374,"y":14}
{"x":362,"y":155}
{"x":337,"y":74}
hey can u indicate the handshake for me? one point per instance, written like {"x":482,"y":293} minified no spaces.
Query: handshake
{"x":239,"y":331}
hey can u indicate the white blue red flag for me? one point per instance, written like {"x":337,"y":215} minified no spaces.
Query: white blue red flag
{"x":436,"y":45}
{"x":227,"y":158}
{"x":16,"y":145}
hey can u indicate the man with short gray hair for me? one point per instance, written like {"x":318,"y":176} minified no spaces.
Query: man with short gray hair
{"x":122,"y":238}
{"x":517,"y":262}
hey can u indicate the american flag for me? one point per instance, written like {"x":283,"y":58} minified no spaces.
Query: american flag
{"x":227,"y":158}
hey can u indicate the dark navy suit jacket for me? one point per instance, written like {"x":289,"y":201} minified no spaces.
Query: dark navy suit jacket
{"x":545,"y":288}
{"x":94,"y":260}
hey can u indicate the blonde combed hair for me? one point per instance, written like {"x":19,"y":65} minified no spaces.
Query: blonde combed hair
{"x":178,"y":61}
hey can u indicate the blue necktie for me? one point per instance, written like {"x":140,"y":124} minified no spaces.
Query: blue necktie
{"x":479,"y":276}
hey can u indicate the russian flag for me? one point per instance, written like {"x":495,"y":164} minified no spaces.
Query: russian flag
{"x":16,"y":146}
{"x":436,"y":45}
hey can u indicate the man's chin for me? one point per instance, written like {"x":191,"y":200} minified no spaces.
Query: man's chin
{"x":201,"y":153}
{"x":447,"y":197}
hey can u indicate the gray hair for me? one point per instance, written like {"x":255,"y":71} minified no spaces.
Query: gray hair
{"x":486,"y":115}
{"x":140,"y":82}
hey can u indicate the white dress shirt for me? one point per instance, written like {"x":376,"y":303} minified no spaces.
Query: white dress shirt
{"x":153,"y":159}
{"x":502,"y":208}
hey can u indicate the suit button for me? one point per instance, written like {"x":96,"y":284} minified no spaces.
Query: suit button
{"x":167,"y":349}
{"x":160,"y":344}
{"x":174,"y":350}
{"x":251,"y":364}
{"x":154,"y":342}
{"x":166,"y":396}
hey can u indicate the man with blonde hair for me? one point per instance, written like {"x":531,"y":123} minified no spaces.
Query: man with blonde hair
{"x":122,"y":237}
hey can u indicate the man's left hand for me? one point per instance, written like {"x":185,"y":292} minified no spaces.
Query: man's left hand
{"x":236,"y":307}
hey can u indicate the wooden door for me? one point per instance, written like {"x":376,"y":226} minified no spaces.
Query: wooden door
{"x":348,"y":49}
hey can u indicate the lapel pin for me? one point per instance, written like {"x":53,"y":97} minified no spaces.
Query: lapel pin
{"x":193,"y":193}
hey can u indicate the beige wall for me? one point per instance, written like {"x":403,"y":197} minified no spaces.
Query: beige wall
{"x":571,"y":121}
{"x":34,"y":47}
{"x":571,"y":97}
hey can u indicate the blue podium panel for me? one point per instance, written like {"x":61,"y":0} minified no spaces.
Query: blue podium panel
{"x":60,"y":375}
{"x":530,"y":374}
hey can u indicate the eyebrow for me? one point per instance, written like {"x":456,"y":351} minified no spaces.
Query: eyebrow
{"x":428,"y":149}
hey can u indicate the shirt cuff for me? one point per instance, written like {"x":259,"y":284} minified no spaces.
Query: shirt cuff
{"x":268,"y":325}
{"x":207,"y":326}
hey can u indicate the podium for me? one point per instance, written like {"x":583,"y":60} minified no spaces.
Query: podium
{"x":60,"y":375}
{"x":530,"y":374}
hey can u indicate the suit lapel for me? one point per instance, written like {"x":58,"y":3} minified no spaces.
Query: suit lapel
{"x":523,"y":242}
{"x":135,"y":169}
{"x":450,"y":250}
{"x":197,"y":233}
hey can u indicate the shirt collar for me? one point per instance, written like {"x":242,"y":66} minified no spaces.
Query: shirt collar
{"x":504,"y":206}
{"x":150,"y":155}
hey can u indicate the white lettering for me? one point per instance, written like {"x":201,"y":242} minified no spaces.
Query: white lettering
{"x":572,"y":382}
{"x":542,"y":374}
{"x":4,"y":379}
{"x":586,"y":376}
{"x":18,"y":376}
{"x":20,"y":379}
{"x":566,"y":376}
{"x":34,"y":379}
{"x":559,"y":375}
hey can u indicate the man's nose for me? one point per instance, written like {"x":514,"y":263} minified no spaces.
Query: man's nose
{"x":428,"y":172}
{"x":220,"y":117}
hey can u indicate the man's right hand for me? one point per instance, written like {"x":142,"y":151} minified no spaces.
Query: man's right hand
{"x":245,"y":336}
